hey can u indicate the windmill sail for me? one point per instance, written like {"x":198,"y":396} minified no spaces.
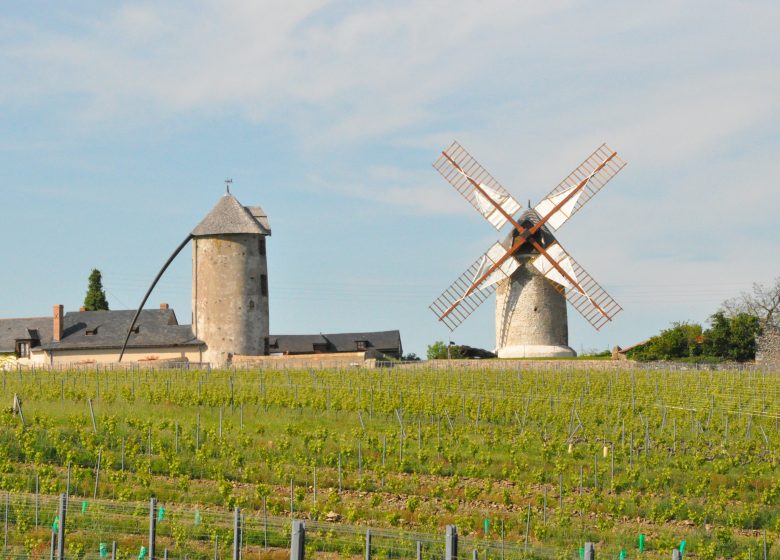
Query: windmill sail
{"x":580,"y":186}
{"x":476,"y":185}
{"x":463,"y":297}
{"x":579,"y":288}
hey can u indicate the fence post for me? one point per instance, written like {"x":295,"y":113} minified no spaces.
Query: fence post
{"x":51,"y":550}
{"x":61,"y":527}
{"x":474,"y":555}
{"x":368,"y":544}
{"x":152,"y":527}
{"x":5,"y":539}
{"x":765,"y":548}
{"x":419,"y":550}
{"x":97,"y":474}
{"x":236,"y":533}
{"x":113,"y":550}
{"x":37,"y":499}
{"x":451,"y":543}
{"x":590,"y":551}
{"x":676,"y":554}
{"x":265,"y":524}
{"x":298,"y":540}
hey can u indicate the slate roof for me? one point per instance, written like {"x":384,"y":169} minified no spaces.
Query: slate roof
{"x":228,"y":216}
{"x":33,"y":328}
{"x":528,"y":219}
{"x":388,"y":342}
{"x":156,"y":327}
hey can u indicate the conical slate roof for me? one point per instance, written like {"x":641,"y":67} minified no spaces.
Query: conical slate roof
{"x":228,"y":216}
{"x":528,"y":219}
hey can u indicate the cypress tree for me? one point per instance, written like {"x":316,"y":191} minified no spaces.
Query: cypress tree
{"x":95,"y":299}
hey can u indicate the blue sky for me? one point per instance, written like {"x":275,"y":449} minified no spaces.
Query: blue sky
{"x":120,"y":121}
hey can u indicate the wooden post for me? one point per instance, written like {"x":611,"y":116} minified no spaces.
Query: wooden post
{"x":590,"y":551}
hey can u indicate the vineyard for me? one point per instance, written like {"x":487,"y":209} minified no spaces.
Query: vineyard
{"x":541,"y":459}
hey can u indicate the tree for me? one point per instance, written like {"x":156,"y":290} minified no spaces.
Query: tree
{"x":732,"y":338}
{"x":95,"y":300}
{"x":438,"y":351}
{"x":762,"y":302}
{"x":682,"y":340}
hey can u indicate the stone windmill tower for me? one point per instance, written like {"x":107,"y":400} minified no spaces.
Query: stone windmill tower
{"x":531,"y":273}
{"x":230,"y":281}
{"x":531,"y":316}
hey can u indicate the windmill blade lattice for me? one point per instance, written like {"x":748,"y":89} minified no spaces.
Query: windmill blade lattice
{"x":597,"y":170}
{"x":457,"y":166}
{"x":463,"y":296}
{"x":587,"y":296}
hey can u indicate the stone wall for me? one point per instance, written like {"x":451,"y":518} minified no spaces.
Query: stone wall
{"x":536,"y":364}
{"x":339,"y":360}
{"x":768,"y":349}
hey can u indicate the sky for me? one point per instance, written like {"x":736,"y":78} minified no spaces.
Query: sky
{"x":119,"y":122}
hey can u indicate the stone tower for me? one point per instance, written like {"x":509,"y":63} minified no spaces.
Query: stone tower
{"x":230,"y":281}
{"x":531,"y":318}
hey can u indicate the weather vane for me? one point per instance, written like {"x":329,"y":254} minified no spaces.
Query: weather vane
{"x":228,"y":182}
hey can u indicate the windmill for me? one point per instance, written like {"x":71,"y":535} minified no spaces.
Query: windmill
{"x":531,"y":273}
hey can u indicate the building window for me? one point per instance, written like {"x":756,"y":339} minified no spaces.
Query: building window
{"x":91,"y":332}
{"x":261,"y":246}
{"x":320,"y":347}
{"x":266,"y":346}
{"x":361,"y":344}
{"x":24,"y":350}
{"x":264,"y":285}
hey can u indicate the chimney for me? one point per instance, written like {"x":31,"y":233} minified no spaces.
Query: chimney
{"x":82,"y":309}
{"x":58,"y":313}
{"x":163,"y":306}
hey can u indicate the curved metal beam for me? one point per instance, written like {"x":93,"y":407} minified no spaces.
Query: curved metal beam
{"x":149,"y":292}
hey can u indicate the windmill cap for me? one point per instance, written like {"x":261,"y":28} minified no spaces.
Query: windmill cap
{"x":528,"y":219}
{"x":229,"y":217}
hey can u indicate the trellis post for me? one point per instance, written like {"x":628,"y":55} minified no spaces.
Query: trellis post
{"x":590,"y":551}
{"x":152,"y":527}
{"x":236,"y":533}
{"x":298,"y":540}
{"x":451,"y":543}
{"x":61,"y":527}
